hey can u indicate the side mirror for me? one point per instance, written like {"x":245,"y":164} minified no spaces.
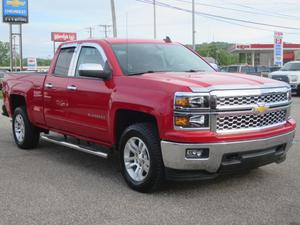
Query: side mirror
{"x":94,"y":70}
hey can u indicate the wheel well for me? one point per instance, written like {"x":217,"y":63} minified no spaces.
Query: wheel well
{"x":125,"y":118}
{"x":16,"y":101}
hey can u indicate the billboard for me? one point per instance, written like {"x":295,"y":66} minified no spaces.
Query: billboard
{"x":62,"y":37}
{"x":15,"y":11}
{"x":278,"y":49}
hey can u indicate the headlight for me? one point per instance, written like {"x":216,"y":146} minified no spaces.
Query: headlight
{"x":192,"y":121}
{"x":191,"y":111}
{"x":293,"y":78}
{"x":185,"y":101}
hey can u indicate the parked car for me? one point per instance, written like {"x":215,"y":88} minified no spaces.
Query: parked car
{"x":269,"y":70}
{"x":289,"y":73}
{"x":157,"y":105}
{"x":2,"y":73}
{"x":239,"y":69}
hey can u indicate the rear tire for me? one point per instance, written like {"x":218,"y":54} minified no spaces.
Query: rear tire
{"x":140,"y":157}
{"x":26,"y":136}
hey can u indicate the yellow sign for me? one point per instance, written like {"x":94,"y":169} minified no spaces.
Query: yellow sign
{"x":15,"y":3}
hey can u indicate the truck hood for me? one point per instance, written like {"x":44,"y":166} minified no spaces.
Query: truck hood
{"x":285,"y":73}
{"x":211,"y":80}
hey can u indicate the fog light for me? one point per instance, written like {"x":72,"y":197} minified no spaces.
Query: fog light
{"x":196,"y":153}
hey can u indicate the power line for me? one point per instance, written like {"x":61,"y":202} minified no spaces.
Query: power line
{"x":263,"y":10}
{"x":219,"y":17}
{"x":244,"y":11}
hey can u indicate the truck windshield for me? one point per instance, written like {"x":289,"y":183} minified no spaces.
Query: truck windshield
{"x":139,"y":58}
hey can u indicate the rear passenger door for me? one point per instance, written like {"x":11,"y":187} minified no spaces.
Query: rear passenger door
{"x":56,"y":99}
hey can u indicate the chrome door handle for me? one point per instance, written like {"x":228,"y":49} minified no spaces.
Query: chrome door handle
{"x":49,"y":85}
{"x":72,"y":88}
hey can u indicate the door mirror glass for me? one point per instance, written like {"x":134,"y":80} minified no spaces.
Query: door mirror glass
{"x":93,"y":70}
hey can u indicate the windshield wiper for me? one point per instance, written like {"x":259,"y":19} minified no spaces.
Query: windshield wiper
{"x":141,"y":73}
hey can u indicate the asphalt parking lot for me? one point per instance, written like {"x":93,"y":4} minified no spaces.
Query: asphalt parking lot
{"x":56,"y":185}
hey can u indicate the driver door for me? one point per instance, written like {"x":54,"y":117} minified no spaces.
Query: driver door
{"x":89,"y":97}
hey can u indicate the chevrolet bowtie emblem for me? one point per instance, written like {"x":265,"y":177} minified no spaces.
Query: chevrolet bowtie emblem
{"x":261,"y":108}
{"x":15,"y":3}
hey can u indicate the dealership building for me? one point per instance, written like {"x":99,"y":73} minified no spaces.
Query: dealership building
{"x":263,"y":54}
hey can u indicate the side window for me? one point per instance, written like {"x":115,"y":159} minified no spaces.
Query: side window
{"x":63,"y":62}
{"x":89,"y":55}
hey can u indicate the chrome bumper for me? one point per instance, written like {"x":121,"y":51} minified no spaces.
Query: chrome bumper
{"x":174,"y":153}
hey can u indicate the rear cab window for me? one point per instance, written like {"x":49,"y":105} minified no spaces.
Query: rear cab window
{"x":64,"y":61}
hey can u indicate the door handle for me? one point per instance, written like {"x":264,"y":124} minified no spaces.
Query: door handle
{"x":49,"y":86}
{"x":72,"y":88}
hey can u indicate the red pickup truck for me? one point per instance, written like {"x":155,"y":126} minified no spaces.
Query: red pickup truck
{"x":157,"y":104}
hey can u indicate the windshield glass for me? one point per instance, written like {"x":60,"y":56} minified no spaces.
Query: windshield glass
{"x":291,"y":67}
{"x":139,"y":58}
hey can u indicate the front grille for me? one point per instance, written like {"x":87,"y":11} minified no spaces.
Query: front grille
{"x":238,"y":122}
{"x":250,"y":100}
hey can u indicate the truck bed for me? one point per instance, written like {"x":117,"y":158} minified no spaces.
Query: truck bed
{"x":30,"y":85}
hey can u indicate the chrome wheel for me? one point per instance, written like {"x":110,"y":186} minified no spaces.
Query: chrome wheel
{"x":19,"y":126}
{"x":136,"y":159}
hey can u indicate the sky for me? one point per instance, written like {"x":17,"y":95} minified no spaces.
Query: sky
{"x":135,"y":20}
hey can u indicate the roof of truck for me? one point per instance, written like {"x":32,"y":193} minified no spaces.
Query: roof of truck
{"x":121,"y":41}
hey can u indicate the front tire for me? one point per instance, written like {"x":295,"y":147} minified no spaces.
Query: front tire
{"x":26,"y":136}
{"x":140,"y":156}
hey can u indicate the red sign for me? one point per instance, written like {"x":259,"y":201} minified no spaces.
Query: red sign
{"x":242,"y":46}
{"x":62,"y":37}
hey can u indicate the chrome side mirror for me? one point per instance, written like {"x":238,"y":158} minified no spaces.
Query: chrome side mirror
{"x":94,"y":70}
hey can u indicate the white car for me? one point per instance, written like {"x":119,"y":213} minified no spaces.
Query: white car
{"x":289,"y":73}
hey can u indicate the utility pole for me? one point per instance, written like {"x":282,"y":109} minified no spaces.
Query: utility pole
{"x":113,"y":14}
{"x":193,"y":24}
{"x":154,"y":15}
{"x":106,"y":29}
{"x":90,"y":31}
{"x":11,"y":47}
{"x":21,"y":47}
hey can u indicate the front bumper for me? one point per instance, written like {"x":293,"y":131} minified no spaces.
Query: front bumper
{"x":174,"y":153}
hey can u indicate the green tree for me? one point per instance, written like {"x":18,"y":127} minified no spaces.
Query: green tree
{"x":218,"y":51}
{"x":4,"y":53}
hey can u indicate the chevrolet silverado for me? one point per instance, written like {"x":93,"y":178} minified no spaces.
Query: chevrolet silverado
{"x":158,"y":105}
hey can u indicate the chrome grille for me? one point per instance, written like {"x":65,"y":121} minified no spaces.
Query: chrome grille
{"x":228,"y":123}
{"x":250,"y":100}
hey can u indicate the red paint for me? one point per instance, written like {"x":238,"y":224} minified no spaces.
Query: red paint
{"x":90,"y":112}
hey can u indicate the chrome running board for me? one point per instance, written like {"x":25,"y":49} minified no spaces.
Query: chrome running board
{"x":64,"y":143}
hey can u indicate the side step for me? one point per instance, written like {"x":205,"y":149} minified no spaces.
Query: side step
{"x":63,"y":141}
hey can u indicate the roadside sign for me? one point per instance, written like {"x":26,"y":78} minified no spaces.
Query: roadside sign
{"x":62,"y":37}
{"x":31,"y":64}
{"x":278,"y":49}
{"x":15,"y":11}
